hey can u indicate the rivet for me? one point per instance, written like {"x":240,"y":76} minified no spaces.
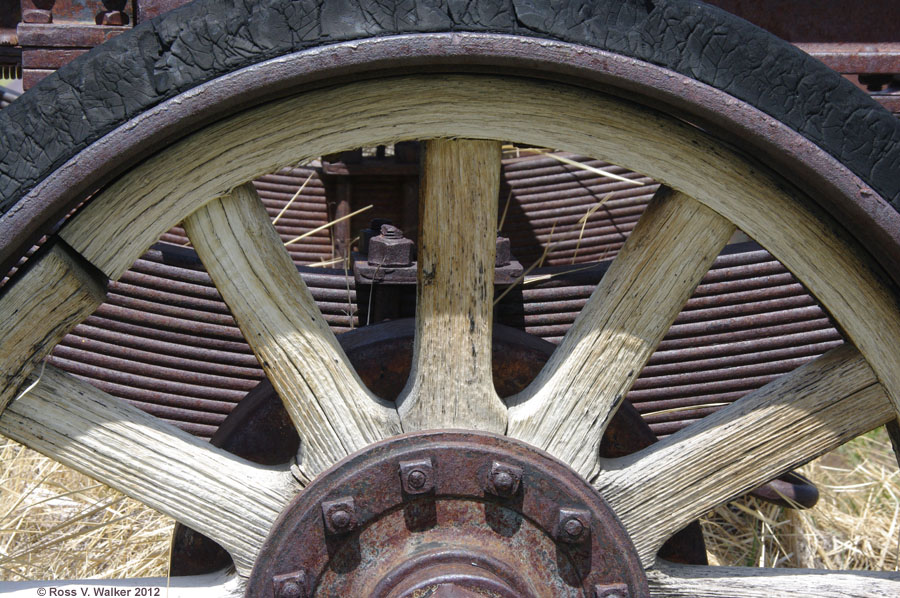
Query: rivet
{"x":339,"y":515}
{"x":613,"y":590}
{"x":291,"y":585}
{"x":417,"y":477}
{"x":504,"y":479}
{"x":574,"y":528}
{"x":574,"y":525}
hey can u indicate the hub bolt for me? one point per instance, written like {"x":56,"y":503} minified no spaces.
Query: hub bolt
{"x":574,"y":525}
{"x":504,"y":479}
{"x":503,"y":482}
{"x":339,"y":515}
{"x":291,"y":585}
{"x":340,"y":519}
{"x":391,"y":249}
{"x":417,"y":477}
{"x":573,"y":528}
{"x":614,"y":590}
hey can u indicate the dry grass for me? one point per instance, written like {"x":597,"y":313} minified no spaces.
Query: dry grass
{"x":58,"y":524}
{"x":854,"y":526}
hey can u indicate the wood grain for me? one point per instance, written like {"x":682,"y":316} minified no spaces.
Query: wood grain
{"x":790,"y":421}
{"x":568,"y":406}
{"x":331,"y":408}
{"x":226,"y":498}
{"x":56,"y":291}
{"x":685,"y":581}
{"x":451,"y":384}
{"x":133,"y":212}
{"x":221,"y":584}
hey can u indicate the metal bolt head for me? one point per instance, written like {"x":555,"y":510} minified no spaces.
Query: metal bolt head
{"x":366,"y":234}
{"x":504,"y":479}
{"x":574,"y":525}
{"x":291,"y":585}
{"x":417,"y":477}
{"x":574,"y":528}
{"x":389,"y":231}
{"x":611,"y":590}
{"x":391,"y":249}
{"x":339,"y":515}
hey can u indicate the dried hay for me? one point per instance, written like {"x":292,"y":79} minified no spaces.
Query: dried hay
{"x":854,"y":526}
{"x":56,"y":523}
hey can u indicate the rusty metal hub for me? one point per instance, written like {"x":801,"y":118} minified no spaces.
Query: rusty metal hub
{"x":448,"y":513}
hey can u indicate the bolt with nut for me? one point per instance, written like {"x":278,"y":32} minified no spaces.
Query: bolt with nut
{"x":291,"y":585}
{"x":574,"y":525}
{"x":504,"y":479}
{"x":614,"y":590}
{"x":417,"y":477}
{"x":339,"y":515}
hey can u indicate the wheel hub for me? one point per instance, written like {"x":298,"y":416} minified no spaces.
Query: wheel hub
{"x":453,"y":514}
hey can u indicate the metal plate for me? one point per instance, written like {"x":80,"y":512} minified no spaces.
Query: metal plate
{"x":402,"y":543}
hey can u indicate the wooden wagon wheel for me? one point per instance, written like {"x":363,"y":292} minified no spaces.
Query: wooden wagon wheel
{"x":813,"y":199}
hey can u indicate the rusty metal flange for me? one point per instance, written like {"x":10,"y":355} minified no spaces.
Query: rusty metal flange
{"x":452,"y":512}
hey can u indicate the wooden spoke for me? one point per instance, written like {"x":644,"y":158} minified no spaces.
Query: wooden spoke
{"x":450,"y":385}
{"x":211,"y":585}
{"x":57,"y":291}
{"x":685,"y":581}
{"x":228,"y":499}
{"x":567,"y":407}
{"x":798,"y":417}
{"x":332,"y":410}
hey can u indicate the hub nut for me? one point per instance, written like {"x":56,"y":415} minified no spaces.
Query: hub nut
{"x":504,"y":479}
{"x":574,"y":526}
{"x":291,"y":585}
{"x":417,"y":476}
{"x":613,"y":590}
{"x":391,"y":248}
{"x":339,"y":515}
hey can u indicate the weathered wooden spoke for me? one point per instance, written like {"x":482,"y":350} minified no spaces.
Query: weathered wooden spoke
{"x":332,"y":410}
{"x":228,"y":499}
{"x":450,"y":385}
{"x":682,"y":581}
{"x":794,"y":419}
{"x":57,"y":291}
{"x":222,"y":584}
{"x":566,"y":409}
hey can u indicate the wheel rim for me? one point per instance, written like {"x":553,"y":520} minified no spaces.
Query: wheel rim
{"x":843,"y":371}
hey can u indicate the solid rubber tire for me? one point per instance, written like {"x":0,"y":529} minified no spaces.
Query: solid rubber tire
{"x":206,"y":39}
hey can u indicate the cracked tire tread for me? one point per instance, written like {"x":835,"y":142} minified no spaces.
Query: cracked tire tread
{"x":200,"y":41}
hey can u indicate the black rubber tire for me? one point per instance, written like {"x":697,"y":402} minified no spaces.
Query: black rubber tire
{"x":203,"y":40}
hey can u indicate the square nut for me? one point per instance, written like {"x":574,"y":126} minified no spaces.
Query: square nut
{"x":391,"y":252}
{"x":504,"y":479}
{"x":417,"y":476}
{"x":573,"y":526}
{"x":611,"y":590}
{"x":339,"y":515}
{"x":291,"y":585}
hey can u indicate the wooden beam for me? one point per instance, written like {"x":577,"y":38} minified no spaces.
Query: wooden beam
{"x":333,"y":411}
{"x":230,"y":500}
{"x":690,"y":581}
{"x":568,"y":406}
{"x":56,"y":291}
{"x":451,"y":385}
{"x":814,"y":409}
